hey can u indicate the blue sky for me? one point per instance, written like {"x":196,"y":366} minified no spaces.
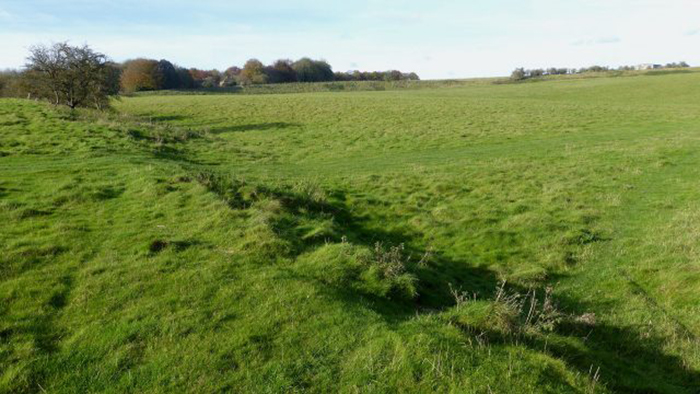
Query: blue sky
{"x":436,"y":39}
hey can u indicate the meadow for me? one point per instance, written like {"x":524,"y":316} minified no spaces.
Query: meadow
{"x":485,"y":238}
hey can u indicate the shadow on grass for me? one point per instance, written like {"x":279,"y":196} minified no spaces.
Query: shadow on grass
{"x":169,"y":153}
{"x":42,"y":326}
{"x":435,"y":279}
{"x":623,"y":360}
{"x":253,"y":127}
{"x":629,"y":361}
{"x":166,"y":118}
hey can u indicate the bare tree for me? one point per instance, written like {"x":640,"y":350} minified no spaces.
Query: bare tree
{"x":74,"y":76}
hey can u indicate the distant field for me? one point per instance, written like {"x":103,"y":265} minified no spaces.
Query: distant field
{"x":335,"y":86}
{"x":358,"y":86}
{"x":485,"y":238}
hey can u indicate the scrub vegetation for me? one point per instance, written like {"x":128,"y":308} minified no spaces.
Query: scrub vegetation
{"x":482,"y":238}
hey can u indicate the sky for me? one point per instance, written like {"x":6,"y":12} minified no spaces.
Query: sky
{"x":437,"y":38}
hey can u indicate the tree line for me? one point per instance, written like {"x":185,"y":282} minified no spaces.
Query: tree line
{"x":77,"y":76}
{"x":149,"y":74}
{"x":520,"y":74}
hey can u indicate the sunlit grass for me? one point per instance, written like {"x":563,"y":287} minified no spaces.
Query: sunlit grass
{"x":356,"y":241}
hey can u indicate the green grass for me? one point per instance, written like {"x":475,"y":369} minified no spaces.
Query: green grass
{"x":356,"y":241}
{"x":335,"y":86}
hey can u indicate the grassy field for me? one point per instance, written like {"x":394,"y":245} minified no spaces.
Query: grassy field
{"x":515,"y":238}
{"x":359,"y":86}
{"x":335,"y":86}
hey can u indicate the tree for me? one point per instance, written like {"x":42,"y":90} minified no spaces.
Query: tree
{"x":538,"y":72}
{"x":12,"y":84}
{"x":111,"y":77}
{"x":8,"y":79}
{"x":170,"y":76}
{"x":312,"y":70}
{"x":232,"y":71}
{"x":596,"y":69}
{"x":358,"y":76}
{"x":518,"y":74}
{"x":212,"y":79}
{"x":253,"y":73}
{"x":230,"y":77}
{"x":185,"y":78}
{"x":343,"y":76}
{"x":393,"y":75}
{"x":71,"y":75}
{"x":375,"y":76}
{"x":141,"y":74}
{"x":281,"y":72}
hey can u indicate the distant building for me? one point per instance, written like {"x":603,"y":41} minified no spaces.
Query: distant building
{"x":648,"y":66}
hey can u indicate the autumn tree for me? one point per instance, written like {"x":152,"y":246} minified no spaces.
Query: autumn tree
{"x":253,"y":73}
{"x":141,"y":74}
{"x":230,"y":76}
